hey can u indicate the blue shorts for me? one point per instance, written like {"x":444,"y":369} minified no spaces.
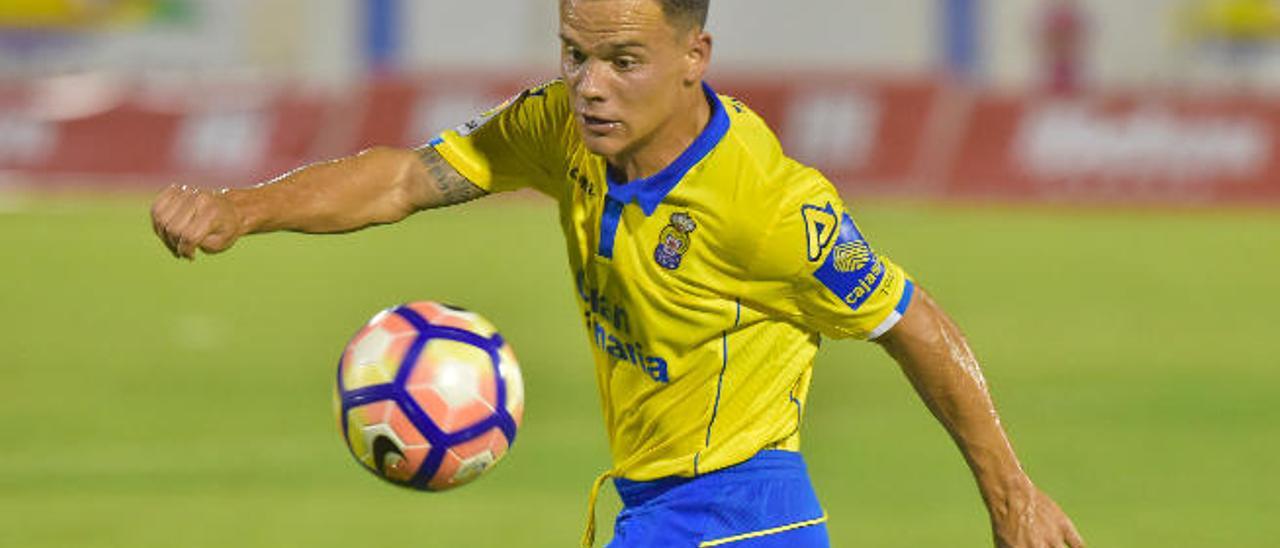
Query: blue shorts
{"x":764,"y":502}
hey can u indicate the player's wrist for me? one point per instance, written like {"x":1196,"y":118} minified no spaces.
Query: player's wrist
{"x":997,"y":471}
{"x":246,"y":208}
{"x":1005,"y":490}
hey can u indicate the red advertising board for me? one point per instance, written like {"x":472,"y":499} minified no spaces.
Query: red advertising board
{"x":1131,"y":147}
{"x":139,"y":136}
{"x":410,"y":112}
{"x":870,"y":135}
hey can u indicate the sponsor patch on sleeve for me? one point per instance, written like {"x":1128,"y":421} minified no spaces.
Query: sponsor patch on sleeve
{"x":852,"y":271}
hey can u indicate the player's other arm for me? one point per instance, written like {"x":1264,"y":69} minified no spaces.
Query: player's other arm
{"x":936,"y":358}
{"x":378,"y":186}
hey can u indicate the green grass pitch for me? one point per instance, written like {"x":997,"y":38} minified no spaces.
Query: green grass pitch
{"x":1134,"y":355}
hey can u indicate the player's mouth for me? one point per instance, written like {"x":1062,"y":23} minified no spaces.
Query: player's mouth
{"x":597,"y":125}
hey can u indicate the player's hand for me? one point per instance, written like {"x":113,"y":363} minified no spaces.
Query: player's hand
{"x":188,"y":218}
{"x":1030,"y":519}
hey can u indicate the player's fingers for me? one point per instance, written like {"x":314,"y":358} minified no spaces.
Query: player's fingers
{"x":224,"y":231}
{"x":186,"y":243}
{"x":172,"y":200}
{"x":199,"y":230}
{"x":161,"y":202}
{"x":173,"y":230}
{"x":194,"y":232}
{"x":164,"y":200}
{"x":162,"y":210}
{"x":1074,"y":540}
{"x":217,"y":240}
{"x":173,"y":214}
{"x":187,"y":249}
{"x":181,"y":227}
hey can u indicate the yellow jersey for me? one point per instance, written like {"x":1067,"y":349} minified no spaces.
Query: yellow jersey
{"x":704,"y":289}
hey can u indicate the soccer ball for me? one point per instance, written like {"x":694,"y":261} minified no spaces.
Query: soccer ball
{"x":429,"y":396}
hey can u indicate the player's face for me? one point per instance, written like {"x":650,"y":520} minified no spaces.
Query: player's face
{"x":629,"y":71}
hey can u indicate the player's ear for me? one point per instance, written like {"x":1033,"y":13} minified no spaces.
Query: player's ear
{"x":698,"y":55}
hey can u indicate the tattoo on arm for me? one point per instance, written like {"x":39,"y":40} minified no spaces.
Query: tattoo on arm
{"x":451,"y":187}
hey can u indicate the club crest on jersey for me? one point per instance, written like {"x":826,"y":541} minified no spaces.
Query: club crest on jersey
{"x":674,"y":241}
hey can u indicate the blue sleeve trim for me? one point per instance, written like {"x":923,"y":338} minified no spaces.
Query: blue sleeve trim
{"x":906,"y":298}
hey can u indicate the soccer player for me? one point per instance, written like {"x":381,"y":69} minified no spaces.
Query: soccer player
{"x":707,"y":266}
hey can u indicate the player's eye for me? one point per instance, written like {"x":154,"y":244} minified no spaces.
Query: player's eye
{"x":575,"y":55}
{"x":625,"y":63}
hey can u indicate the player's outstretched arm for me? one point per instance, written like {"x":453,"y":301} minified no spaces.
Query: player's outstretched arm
{"x":935,"y":357}
{"x":377,"y":186}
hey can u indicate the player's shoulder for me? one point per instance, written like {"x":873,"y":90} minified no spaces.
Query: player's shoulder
{"x":785,"y":183}
{"x":555,"y":89}
{"x":540,"y":113}
{"x":771,"y":174}
{"x":551,"y":97}
{"x":799,"y":183}
{"x":751,"y":135}
{"x":798,"y":212}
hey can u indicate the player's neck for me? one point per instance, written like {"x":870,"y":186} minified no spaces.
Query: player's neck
{"x":665,"y":145}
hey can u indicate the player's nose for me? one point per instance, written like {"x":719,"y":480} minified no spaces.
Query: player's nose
{"x":590,"y":82}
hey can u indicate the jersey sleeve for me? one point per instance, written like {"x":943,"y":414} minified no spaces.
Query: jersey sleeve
{"x":520,"y":143}
{"x":825,"y":274}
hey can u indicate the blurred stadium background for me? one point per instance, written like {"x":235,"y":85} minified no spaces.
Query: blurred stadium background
{"x":1089,"y":186}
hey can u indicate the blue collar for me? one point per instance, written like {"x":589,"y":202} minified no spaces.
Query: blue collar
{"x":650,"y":192}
